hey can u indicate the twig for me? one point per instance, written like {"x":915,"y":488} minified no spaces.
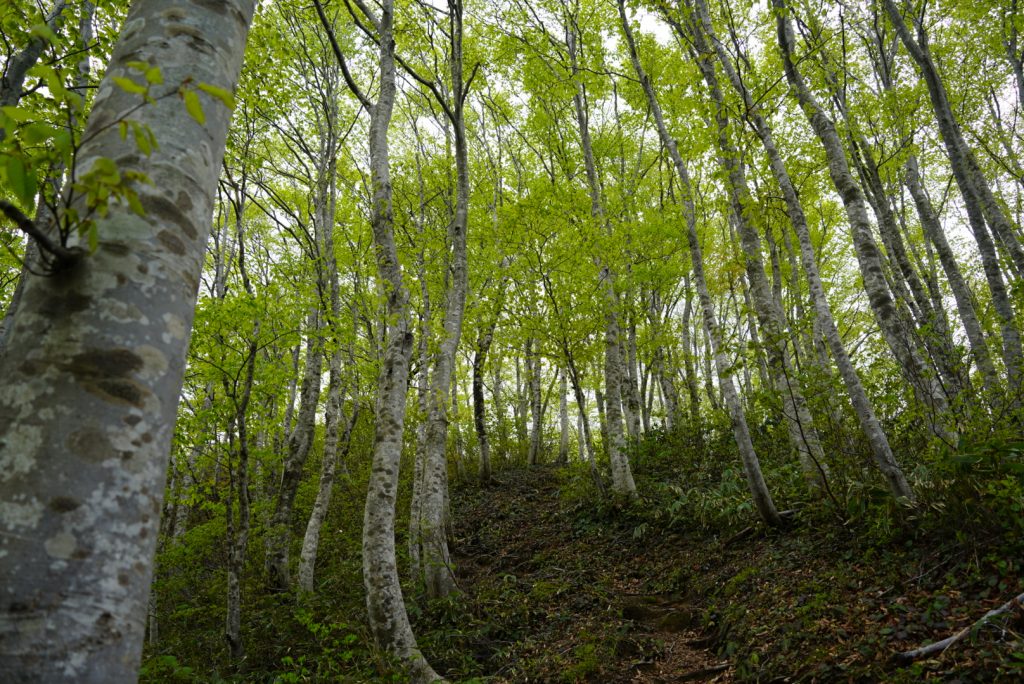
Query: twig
{"x":907,"y":657}
{"x":63,"y":256}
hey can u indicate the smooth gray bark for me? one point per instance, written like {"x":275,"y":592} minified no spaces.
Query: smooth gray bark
{"x":799,"y":424}
{"x":278,"y":540}
{"x":95,"y":362}
{"x":881,"y":451}
{"x":751,"y":466}
{"x":890,"y":315}
{"x":983,"y":210}
{"x":389,"y":621}
{"x":614,"y":367}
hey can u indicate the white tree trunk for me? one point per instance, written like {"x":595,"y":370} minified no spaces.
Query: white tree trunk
{"x":751,"y":466}
{"x":799,"y":424}
{"x":891,"y":317}
{"x":95,"y":362}
{"x":882,"y":452}
{"x":388,"y":618}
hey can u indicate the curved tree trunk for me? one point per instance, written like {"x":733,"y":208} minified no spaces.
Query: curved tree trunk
{"x":799,"y":424}
{"x":434,"y":556}
{"x":751,"y":466}
{"x":615,"y":443}
{"x":278,"y":540}
{"x":981,"y":205}
{"x":880,"y":449}
{"x":389,"y":621}
{"x":891,"y":317}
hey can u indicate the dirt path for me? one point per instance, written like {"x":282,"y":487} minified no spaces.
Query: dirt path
{"x":569,"y":601}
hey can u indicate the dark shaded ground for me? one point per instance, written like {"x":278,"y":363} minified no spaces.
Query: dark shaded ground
{"x":567,"y":592}
{"x":586,"y":605}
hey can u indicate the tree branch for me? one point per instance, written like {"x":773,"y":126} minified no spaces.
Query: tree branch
{"x":907,"y":657}
{"x":63,"y":257}
{"x":349,"y":81}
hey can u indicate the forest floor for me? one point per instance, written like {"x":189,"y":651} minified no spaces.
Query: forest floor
{"x":564,"y":590}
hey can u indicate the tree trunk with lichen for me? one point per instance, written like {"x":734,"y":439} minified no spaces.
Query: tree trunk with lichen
{"x":95,"y":362}
{"x":751,"y":466}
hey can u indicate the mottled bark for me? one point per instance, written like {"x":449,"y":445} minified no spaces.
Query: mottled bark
{"x":936,"y":235}
{"x":752,"y":469}
{"x":631,"y":404}
{"x":983,"y":210}
{"x":438,"y":577}
{"x":12,"y":79}
{"x":803,"y":436}
{"x":533,"y":370}
{"x":689,"y":367}
{"x":11,"y":83}
{"x":615,"y":443}
{"x":95,"y":362}
{"x":238,"y":489}
{"x":498,"y":401}
{"x":278,"y":540}
{"x":880,"y":449}
{"x":336,"y":448}
{"x":389,"y":621}
{"x":479,"y":407}
{"x":931,"y":321}
{"x":520,"y":408}
{"x":891,"y":317}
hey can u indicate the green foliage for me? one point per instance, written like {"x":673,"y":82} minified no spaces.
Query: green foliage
{"x":980,"y":486}
{"x":166,"y":668}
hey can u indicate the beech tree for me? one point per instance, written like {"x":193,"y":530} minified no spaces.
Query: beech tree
{"x":439,"y":231}
{"x":95,"y":358}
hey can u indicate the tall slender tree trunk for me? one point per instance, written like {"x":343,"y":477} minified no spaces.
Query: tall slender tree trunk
{"x":563,"y":418}
{"x":979,"y":201}
{"x":631,"y":405}
{"x":336,"y":447}
{"x":752,"y":469}
{"x":615,"y":444}
{"x":936,"y":235}
{"x":278,"y":540}
{"x":389,"y":621}
{"x":238,"y":532}
{"x":799,"y":424}
{"x":438,"y":576}
{"x":533,"y":370}
{"x":88,"y":396}
{"x":881,"y":451}
{"x":891,"y":317}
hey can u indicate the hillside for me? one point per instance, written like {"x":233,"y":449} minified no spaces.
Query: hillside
{"x":559,"y":585}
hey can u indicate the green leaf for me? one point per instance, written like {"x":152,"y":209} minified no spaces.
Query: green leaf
{"x":94,"y":236}
{"x":130,"y":86}
{"x":17,"y":114}
{"x":37,"y":132}
{"x":44,"y":31}
{"x":226,"y":98}
{"x":154,"y":76}
{"x":193,"y":106}
{"x":142,"y":139}
{"x":20,"y":180}
{"x":134,"y":203}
